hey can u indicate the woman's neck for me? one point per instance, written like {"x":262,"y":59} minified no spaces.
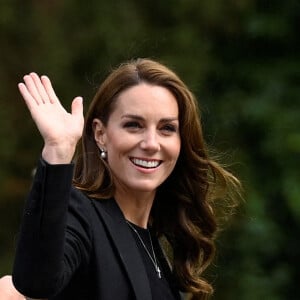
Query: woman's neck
{"x":135,"y":207}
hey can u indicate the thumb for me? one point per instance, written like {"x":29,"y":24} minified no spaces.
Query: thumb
{"x":77,"y":106}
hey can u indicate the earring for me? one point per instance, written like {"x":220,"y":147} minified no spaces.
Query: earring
{"x":103,"y":154}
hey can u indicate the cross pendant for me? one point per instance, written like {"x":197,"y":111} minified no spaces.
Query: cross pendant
{"x":158,"y":272}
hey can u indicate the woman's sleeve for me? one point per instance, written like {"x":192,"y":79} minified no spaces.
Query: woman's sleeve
{"x":54,"y":236}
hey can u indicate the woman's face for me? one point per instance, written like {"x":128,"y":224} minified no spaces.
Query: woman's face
{"x":142,"y":137}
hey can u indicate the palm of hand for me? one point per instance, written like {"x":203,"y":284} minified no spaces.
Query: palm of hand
{"x":60,"y":130}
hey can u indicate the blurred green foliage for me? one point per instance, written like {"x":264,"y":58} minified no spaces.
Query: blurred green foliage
{"x":241,"y":59}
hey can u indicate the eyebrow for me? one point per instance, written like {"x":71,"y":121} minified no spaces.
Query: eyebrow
{"x":140,"y":118}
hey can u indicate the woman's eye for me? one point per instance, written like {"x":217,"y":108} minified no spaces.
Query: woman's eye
{"x":169,"y":128}
{"x":132,"y":125}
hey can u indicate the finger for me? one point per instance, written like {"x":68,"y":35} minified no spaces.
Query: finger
{"x":40,"y":87}
{"x":29,"y":100}
{"x":77,"y":107}
{"x":49,"y":89}
{"x":31,"y":87}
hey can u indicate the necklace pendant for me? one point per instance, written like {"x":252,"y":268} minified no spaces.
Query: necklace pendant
{"x":158,"y":272}
{"x":153,"y":259}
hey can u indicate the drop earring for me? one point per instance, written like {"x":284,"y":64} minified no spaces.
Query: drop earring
{"x":103,"y":154}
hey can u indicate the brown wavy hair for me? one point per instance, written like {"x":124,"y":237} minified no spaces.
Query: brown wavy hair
{"x":183,"y":211}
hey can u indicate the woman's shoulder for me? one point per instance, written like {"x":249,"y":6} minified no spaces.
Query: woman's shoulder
{"x":80,"y":201}
{"x":86,"y":206}
{"x":90,"y":214}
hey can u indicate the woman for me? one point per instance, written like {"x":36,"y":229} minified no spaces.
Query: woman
{"x":142,"y":178}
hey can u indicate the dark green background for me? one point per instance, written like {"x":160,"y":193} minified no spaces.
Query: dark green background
{"x":241,"y":58}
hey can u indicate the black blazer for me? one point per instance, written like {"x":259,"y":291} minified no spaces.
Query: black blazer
{"x":74,"y":247}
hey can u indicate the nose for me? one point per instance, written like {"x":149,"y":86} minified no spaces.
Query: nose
{"x":150,"y":141}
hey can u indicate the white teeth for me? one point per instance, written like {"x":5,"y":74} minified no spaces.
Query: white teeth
{"x":145,"y":163}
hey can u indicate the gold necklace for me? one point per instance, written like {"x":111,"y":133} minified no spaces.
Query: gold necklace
{"x":153,"y":259}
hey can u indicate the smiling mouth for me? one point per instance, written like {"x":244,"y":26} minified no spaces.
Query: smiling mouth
{"x":147,"y":164}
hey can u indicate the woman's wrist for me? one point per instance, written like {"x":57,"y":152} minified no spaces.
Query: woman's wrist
{"x":54,"y":155}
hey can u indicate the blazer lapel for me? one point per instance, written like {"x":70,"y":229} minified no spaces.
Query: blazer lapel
{"x":121,"y":235}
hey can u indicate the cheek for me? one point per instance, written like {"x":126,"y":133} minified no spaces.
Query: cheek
{"x":173,"y":152}
{"x":118,"y":146}
{"x":176,"y":148}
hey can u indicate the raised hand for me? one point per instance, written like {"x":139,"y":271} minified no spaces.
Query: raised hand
{"x":60,"y":130}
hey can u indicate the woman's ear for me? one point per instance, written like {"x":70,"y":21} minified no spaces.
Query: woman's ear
{"x":99,"y":133}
